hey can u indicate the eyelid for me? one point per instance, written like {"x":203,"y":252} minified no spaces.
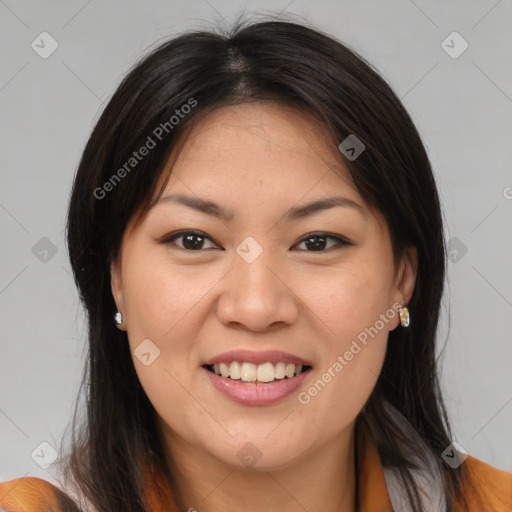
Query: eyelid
{"x":169,"y":239}
{"x":341,"y":240}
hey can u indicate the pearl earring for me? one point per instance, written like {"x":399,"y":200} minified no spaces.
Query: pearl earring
{"x":404,"y":317}
{"x":118,"y":318}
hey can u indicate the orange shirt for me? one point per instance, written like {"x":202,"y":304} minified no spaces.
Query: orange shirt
{"x":31,"y":494}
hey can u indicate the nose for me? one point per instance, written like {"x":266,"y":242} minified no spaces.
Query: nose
{"x":258,"y":296}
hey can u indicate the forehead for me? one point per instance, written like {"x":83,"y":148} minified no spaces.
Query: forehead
{"x":264,"y":123}
{"x":259,"y":157}
{"x":256,"y":143}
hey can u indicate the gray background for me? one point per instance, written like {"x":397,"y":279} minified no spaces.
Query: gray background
{"x":462,"y":107}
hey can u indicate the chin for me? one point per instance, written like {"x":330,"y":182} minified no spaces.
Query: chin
{"x":257,"y":453}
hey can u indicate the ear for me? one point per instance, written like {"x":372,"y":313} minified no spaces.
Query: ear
{"x":406,"y":277}
{"x":116,"y":285}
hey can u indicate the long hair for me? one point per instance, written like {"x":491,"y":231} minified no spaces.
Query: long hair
{"x":273,"y":60}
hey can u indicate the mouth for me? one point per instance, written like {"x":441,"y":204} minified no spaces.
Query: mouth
{"x":251,"y":373}
{"x":257,"y":378}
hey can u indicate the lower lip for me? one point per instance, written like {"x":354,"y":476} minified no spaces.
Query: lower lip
{"x":256,"y":394}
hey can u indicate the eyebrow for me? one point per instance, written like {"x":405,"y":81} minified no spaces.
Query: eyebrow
{"x":295,"y":213}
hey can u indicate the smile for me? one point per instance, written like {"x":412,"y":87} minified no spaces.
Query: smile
{"x":256,"y":378}
{"x":257,"y":373}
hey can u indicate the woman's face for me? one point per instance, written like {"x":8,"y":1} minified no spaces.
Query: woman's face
{"x":259,"y":283}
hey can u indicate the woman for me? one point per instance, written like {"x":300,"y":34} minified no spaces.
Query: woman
{"x":257,"y":214}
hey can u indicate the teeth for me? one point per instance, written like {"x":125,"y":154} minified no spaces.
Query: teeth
{"x":249,"y":372}
{"x":290,"y":370}
{"x":280,"y":370}
{"x":224,"y":369}
{"x":266,"y":372}
{"x":234,"y":370}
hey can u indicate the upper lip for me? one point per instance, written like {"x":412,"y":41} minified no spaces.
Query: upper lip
{"x":249,"y":356}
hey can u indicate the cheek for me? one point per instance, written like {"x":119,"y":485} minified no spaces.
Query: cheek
{"x":355,"y":342}
{"x":173,"y":399}
{"x":165,"y":304}
{"x":343,"y":384}
{"x":160,"y":302}
{"x":357,"y":296}
{"x":162,"y":299}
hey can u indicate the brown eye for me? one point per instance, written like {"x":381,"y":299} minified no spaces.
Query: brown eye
{"x":191,"y":240}
{"x":317,"y":242}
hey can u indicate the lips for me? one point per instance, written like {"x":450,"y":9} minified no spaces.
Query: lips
{"x":256,"y":378}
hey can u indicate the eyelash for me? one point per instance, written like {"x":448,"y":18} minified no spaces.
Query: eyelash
{"x":340,"y":240}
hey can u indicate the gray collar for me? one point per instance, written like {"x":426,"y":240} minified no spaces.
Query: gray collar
{"x":427,"y":479}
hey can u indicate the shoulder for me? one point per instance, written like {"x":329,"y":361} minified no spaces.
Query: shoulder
{"x":491,"y":486}
{"x":29,"y":494}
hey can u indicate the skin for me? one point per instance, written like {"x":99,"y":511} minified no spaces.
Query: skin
{"x":259,"y":160}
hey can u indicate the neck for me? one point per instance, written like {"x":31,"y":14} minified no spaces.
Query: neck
{"x":321,"y":478}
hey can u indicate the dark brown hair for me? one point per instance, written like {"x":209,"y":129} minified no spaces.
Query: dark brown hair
{"x":270,"y":60}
